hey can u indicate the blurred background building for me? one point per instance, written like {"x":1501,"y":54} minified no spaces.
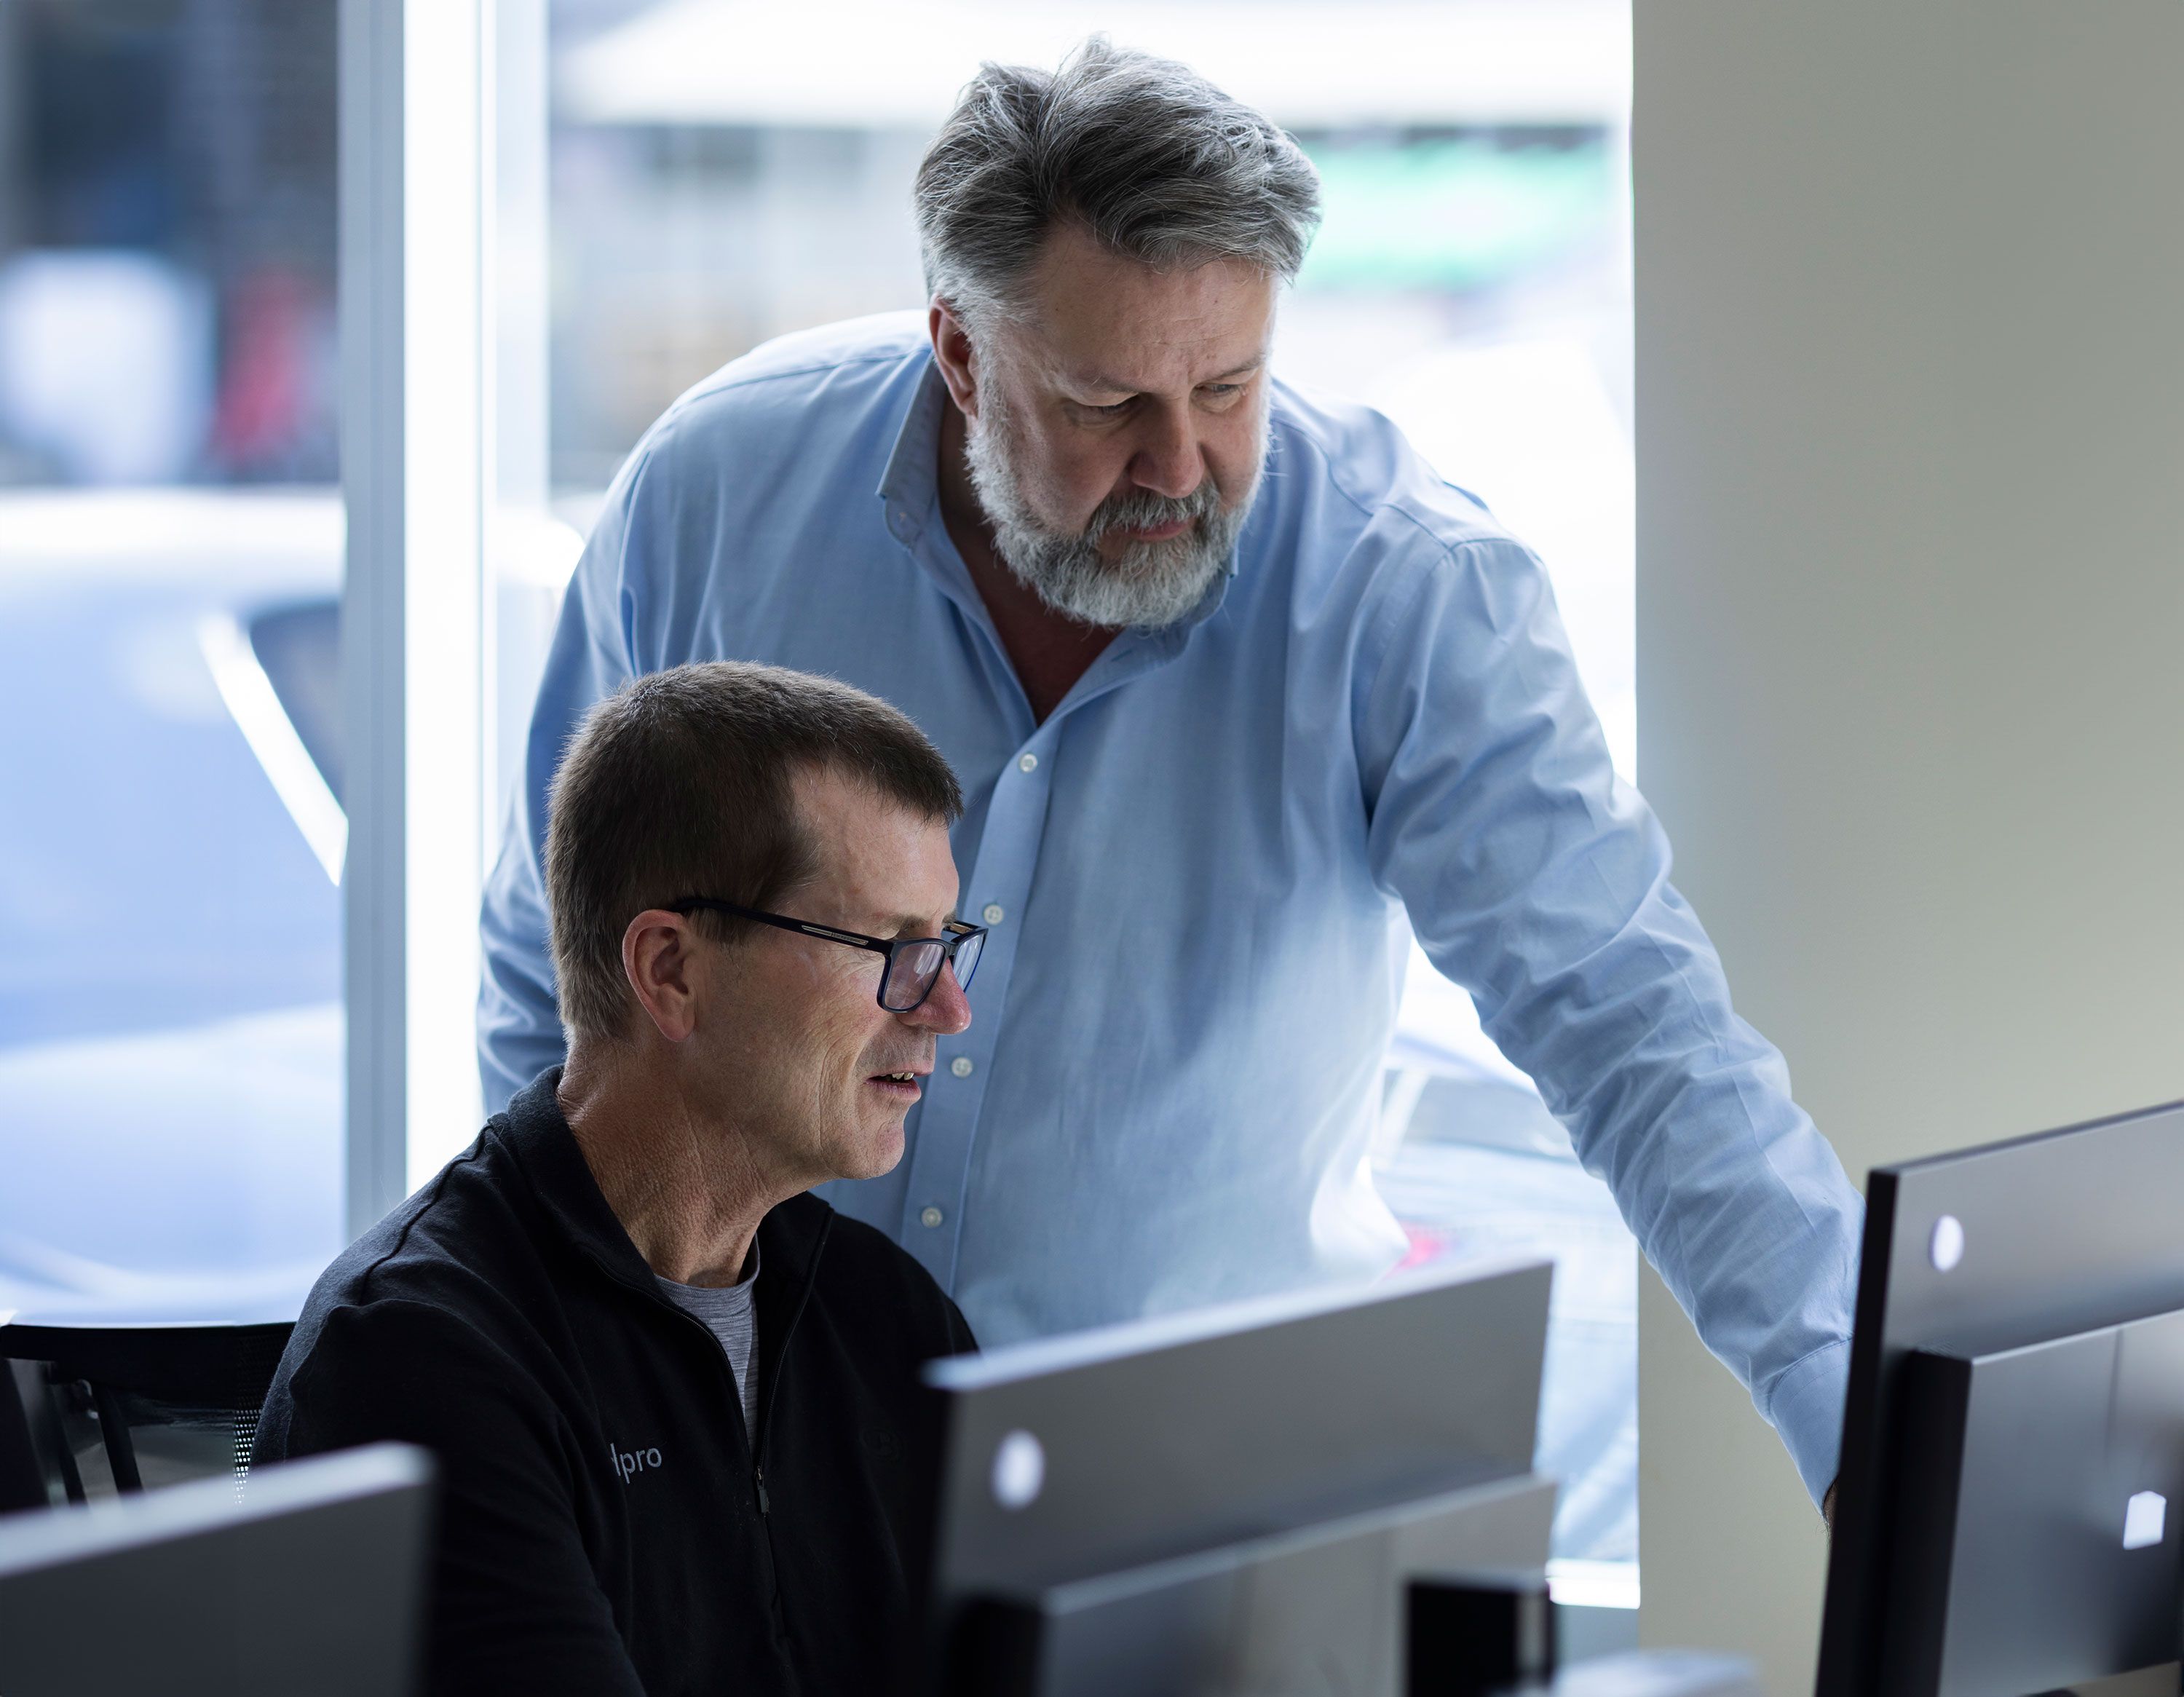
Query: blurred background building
{"x":167,"y":233}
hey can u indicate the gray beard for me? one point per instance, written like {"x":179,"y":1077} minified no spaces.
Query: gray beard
{"x":1150,"y":584}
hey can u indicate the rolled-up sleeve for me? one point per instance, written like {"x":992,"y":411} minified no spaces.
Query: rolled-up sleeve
{"x":1538,"y":881}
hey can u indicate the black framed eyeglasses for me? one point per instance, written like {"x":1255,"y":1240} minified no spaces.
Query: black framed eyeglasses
{"x":913,"y":962}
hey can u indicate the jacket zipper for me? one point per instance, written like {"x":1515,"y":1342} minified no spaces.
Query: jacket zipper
{"x":764,"y":1433}
{"x":766,"y":1414}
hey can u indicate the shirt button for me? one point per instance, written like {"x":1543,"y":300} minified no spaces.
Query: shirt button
{"x":994,"y":913}
{"x":1027,"y":763}
{"x":931,"y":1219}
{"x":961,"y":1066}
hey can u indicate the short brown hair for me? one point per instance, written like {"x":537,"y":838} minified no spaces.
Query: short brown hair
{"x":682,"y":784}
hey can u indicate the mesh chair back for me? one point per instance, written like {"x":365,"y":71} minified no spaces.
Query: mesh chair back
{"x":116,"y":1408}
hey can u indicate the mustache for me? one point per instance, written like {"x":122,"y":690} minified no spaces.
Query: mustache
{"x":1142,"y":509}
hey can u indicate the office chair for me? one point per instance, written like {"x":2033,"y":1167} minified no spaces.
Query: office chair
{"x":192,"y":1392}
{"x":22,"y":1476}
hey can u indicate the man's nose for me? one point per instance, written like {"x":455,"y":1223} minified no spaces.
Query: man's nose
{"x":946,"y":1011}
{"x":1167,"y":461}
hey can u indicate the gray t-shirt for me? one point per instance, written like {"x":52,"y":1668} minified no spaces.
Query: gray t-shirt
{"x":726,"y":1311}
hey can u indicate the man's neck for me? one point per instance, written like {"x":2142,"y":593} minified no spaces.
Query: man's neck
{"x":686,"y":1190}
{"x":1049,"y":651}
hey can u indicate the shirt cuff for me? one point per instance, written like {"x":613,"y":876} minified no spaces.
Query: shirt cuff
{"x":1806,"y":1410}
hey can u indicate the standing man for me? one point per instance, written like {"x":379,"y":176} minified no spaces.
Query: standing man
{"x":1233,"y":681}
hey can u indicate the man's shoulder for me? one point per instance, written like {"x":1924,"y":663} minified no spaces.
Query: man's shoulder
{"x":852,"y":363}
{"x":879,"y":339}
{"x":455,"y":1259}
{"x":1377,"y":480}
{"x":429,"y":1316}
{"x":799,"y":414}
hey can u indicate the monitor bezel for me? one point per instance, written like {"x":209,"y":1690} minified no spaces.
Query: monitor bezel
{"x":2030,"y":1270}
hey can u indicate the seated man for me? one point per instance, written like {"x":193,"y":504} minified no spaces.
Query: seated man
{"x":670,"y":1391}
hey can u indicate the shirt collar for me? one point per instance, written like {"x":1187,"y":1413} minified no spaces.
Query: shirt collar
{"x":912,"y":482}
{"x":720,"y":1292}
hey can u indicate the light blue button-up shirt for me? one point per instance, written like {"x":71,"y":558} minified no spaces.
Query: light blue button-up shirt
{"x":1197,"y":872}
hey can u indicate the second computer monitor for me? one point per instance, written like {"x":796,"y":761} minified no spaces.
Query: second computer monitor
{"x":2012,"y":1483}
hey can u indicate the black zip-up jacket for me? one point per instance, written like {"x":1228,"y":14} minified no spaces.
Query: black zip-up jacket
{"x":605,"y":1527}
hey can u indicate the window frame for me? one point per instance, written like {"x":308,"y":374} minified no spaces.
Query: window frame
{"x":442,"y":127}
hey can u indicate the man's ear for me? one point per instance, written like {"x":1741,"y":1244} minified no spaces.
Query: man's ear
{"x":953,"y":352}
{"x":660,"y":959}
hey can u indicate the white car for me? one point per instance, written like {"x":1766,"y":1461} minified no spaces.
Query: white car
{"x":171,"y":953}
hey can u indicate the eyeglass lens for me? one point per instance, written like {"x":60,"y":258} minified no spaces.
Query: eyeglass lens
{"x":914,"y":969}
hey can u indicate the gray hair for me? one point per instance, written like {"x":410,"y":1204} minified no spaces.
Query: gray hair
{"x":1151,"y":159}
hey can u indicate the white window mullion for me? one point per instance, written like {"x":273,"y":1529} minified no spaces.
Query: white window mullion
{"x":446,"y":361}
{"x":372,"y":470}
{"x":415,"y":322}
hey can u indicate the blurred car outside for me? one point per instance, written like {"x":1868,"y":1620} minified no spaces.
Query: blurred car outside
{"x":170,"y":1020}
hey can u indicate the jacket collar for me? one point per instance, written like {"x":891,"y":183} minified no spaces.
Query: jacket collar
{"x":546,"y":1151}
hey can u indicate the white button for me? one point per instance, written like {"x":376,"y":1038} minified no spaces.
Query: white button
{"x":930,"y":1218}
{"x":961,"y":1066}
{"x":1026,"y":763}
{"x":2144,"y":1517}
{"x":1945,"y":1248}
{"x":994,"y":913}
{"x":1019,"y":1470}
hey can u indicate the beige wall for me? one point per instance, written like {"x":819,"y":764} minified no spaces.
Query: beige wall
{"x":1910,"y":382}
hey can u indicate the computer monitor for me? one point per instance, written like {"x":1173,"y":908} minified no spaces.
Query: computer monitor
{"x":2012,"y":1483}
{"x":311,"y":1578}
{"x":1169,"y":1504}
